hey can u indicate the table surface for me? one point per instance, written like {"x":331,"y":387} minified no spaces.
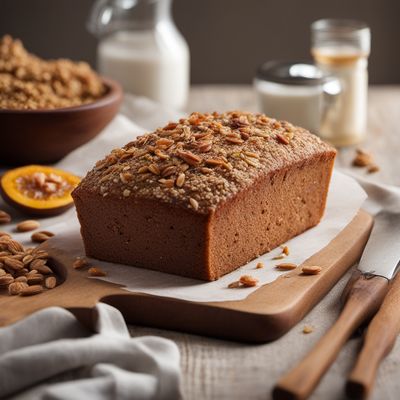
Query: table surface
{"x":215,"y":369}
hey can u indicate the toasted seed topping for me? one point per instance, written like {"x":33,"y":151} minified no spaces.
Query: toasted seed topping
{"x":219,"y":155}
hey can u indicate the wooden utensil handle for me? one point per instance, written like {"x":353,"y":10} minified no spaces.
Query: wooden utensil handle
{"x":364,"y":297}
{"x":379,"y":340}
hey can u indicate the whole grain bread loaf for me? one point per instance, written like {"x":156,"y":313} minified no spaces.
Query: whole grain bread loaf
{"x":203,"y":196}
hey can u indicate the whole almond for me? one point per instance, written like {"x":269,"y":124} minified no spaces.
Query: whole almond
{"x":247,"y":280}
{"x":96,"y":271}
{"x":31,"y":290}
{"x":14,"y":246}
{"x":80,"y":262}
{"x":5,"y":218}
{"x":311,"y":270}
{"x":13,"y":263}
{"x":6,"y":280}
{"x":34,"y":279}
{"x":42,"y":236}
{"x":38,"y":262}
{"x":15,"y":288}
{"x":50,"y":282}
{"x":286,"y":266}
{"x":28,"y":225}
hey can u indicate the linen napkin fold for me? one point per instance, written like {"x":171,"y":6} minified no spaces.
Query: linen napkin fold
{"x":50,"y":355}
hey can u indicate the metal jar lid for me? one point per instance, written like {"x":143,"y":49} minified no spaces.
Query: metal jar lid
{"x":301,"y":73}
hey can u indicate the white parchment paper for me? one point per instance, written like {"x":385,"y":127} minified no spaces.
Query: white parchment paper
{"x":344,"y":200}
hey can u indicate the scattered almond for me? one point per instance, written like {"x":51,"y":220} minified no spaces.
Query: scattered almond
{"x":16,"y":287}
{"x":285,"y":250}
{"x":42,"y":236}
{"x":6,"y":280}
{"x":31,"y":290}
{"x":50,"y":282}
{"x":28,"y":225}
{"x":373,"y":168}
{"x":234,"y":285}
{"x":308,"y":329}
{"x":79,"y":263}
{"x":96,"y":271}
{"x":21,"y":269}
{"x":311,"y":270}
{"x":362,"y":158}
{"x":286,"y":266}
{"x":248,"y":280}
{"x":5,"y":218}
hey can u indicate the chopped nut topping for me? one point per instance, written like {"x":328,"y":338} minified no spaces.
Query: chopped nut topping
{"x":209,"y":157}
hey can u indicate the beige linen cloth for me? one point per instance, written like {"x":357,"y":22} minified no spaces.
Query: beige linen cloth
{"x":50,"y":355}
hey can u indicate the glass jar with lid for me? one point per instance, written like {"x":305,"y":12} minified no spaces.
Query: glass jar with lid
{"x":341,"y":48}
{"x":140,"y":46}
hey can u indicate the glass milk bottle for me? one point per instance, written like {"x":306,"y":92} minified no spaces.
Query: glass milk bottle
{"x":340,"y":48}
{"x":141,"y":48}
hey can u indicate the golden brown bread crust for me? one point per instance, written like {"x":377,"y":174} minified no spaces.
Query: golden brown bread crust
{"x":203,"y":196}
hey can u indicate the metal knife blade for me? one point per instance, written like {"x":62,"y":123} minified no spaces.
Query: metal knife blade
{"x":382,"y":252}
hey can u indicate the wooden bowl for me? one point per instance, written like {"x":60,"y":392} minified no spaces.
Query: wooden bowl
{"x":46,"y":136}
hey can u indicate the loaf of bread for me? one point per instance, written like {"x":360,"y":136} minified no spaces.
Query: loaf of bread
{"x":205,"y":195}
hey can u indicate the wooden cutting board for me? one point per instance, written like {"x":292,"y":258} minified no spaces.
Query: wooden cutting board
{"x":265,"y":315}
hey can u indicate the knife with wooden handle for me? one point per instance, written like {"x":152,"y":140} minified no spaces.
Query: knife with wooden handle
{"x":363,"y":296}
{"x":379,"y":341}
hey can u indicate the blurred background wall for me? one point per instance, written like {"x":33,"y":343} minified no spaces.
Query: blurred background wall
{"x":228,"y":38}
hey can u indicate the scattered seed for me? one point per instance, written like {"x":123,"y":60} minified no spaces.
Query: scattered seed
{"x":50,"y":282}
{"x":96,"y":271}
{"x":286,"y":266}
{"x":80,"y":262}
{"x":234,"y":285}
{"x":279,"y":257}
{"x":373,"y":168}
{"x":5,"y":218}
{"x":311,"y":270}
{"x":259,"y":265}
{"x":6,"y":280}
{"x":31,"y":290}
{"x":42,"y":236}
{"x":285,"y":250}
{"x":16,"y":287}
{"x":308,"y":329}
{"x":13,"y":263}
{"x":248,"y":281}
{"x":28,"y":225}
